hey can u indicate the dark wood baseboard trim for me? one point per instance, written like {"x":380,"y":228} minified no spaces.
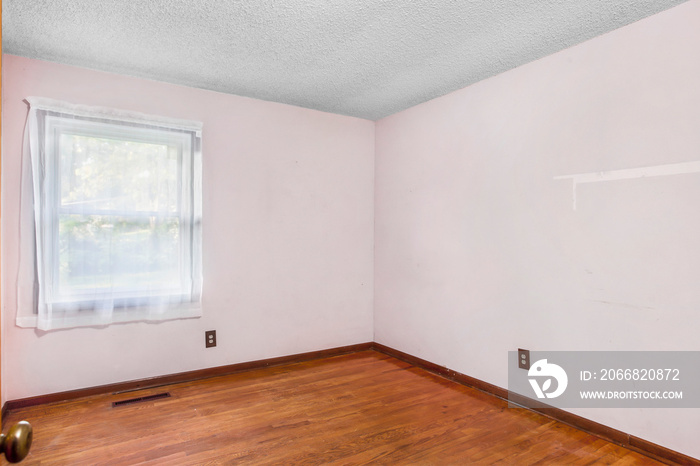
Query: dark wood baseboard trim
{"x":618,"y":437}
{"x":581,"y":423}
{"x":443,"y":371}
{"x":608,"y":433}
{"x":658,"y":452}
{"x":181,"y":377}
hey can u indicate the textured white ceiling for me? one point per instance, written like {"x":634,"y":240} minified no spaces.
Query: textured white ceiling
{"x":366,"y":58}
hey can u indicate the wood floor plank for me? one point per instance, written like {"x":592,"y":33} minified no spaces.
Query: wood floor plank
{"x":360,"y":408}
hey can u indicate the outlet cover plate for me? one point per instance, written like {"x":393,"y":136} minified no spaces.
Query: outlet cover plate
{"x":210,"y":338}
{"x":524,"y":359}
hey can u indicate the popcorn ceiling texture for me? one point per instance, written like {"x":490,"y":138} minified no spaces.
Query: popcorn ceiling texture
{"x":364,"y":58}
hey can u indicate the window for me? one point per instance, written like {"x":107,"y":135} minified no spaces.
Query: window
{"x":117,"y":215}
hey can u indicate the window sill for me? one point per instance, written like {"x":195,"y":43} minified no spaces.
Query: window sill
{"x":92,"y":319}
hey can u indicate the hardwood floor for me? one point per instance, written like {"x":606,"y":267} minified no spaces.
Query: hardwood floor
{"x":361,"y":408}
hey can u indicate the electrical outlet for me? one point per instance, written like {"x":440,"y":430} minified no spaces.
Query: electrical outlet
{"x":210,"y":338}
{"x":524,"y":359}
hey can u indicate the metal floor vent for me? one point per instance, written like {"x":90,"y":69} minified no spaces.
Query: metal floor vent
{"x":141,"y":399}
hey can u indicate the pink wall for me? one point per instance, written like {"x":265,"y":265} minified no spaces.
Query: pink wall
{"x":287,"y":235}
{"x":478,"y":249}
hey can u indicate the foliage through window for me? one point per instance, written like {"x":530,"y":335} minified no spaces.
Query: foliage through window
{"x":117,"y":215}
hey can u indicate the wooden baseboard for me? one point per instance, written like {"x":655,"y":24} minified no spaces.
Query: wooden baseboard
{"x":659,"y":452}
{"x":443,"y":371}
{"x":608,"y":433}
{"x":181,"y":377}
{"x":616,"y":436}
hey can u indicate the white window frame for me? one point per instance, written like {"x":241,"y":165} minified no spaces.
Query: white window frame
{"x":47,"y":120}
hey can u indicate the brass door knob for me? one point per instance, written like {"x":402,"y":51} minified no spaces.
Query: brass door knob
{"x":17,"y":442}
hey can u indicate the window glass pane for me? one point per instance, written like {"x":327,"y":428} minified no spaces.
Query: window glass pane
{"x":102,"y":174}
{"x":117,"y":216}
{"x":111,"y":253}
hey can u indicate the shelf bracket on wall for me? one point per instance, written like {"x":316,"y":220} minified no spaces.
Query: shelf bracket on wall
{"x":630,"y":173}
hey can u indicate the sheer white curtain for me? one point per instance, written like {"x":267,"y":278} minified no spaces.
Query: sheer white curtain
{"x":116,"y":227}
